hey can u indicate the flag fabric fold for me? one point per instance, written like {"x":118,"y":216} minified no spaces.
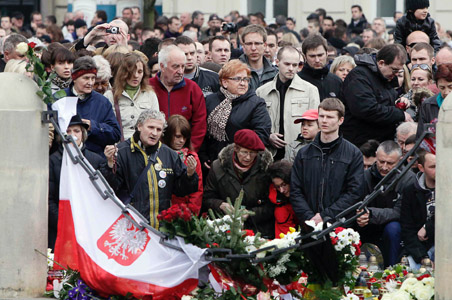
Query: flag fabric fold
{"x":111,"y":254}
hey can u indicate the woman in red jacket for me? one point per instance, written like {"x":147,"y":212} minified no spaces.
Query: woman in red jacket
{"x":177,"y":136}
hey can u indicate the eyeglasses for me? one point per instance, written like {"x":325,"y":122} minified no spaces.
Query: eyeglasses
{"x":301,"y":63}
{"x":101,"y":83}
{"x":412,"y":45}
{"x":246,"y":153}
{"x":424,"y":67}
{"x":240,"y":79}
{"x":255,"y":44}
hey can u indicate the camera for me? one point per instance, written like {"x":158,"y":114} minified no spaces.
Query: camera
{"x":113,"y":30}
{"x":229,"y":27}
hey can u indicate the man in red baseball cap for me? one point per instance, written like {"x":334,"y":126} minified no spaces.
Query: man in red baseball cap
{"x":309,"y":129}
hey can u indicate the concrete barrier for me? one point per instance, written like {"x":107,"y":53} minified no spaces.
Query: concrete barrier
{"x":23,"y":188}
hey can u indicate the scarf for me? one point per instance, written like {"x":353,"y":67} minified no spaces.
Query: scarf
{"x":218,"y":118}
{"x":61,"y":82}
{"x":131,"y":91}
{"x":238,"y":166}
{"x":439,"y":100}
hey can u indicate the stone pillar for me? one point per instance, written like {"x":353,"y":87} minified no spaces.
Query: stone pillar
{"x":443,"y":210}
{"x":23,"y":188}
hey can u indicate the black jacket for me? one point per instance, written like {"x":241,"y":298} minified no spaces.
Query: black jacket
{"x":207,"y":80}
{"x":359,"y":27}
{"x":268,"y":73}
{"x":385,"y":208}
{"x":428,"y":113}
{"x":369,"y":99}
{"x":326,"y":183}
{"x":414,"y":216}
{"x":167,"y":176}
{"x":55,"y":161}
{"x":248,"y":112}
{"x":408,"y":24}
{"x":328,"y":84}
{"x":223,"y":183}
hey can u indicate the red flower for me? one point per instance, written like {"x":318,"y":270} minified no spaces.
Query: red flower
{"x":249,"y":232}
{"x":204,"y":215}
{"x":405,"y":272}
{"x":423,"y":276}
{"x":373,"y":280}
{"x":215,"y":245}
{"x":186,"y":216}
{"x":207,"y":246}
{"x":334,"y":240}
{"x":32,"y":45}
{"x":338,"y":229}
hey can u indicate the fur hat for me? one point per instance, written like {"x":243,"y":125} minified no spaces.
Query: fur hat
{"x":83,"y":65}
{"x":412,"y":5}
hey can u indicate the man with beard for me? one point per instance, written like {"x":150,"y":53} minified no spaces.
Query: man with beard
{"x":287,"y":97}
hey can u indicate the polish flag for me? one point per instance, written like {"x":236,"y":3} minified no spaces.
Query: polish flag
{"x":111,"y":254}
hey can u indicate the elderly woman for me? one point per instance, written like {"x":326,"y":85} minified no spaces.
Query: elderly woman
{"x":233,"y":108}
{"x":131,"y":94}
{"x":78,"y":130}
{"x":94,"y":109}
{"x":342,"y":65}
{"x":61,"y":63}
{"x":177,"y":136}
{"x":102,"y":83}
{"x":428,"y":113}
{"x":243,"y":166}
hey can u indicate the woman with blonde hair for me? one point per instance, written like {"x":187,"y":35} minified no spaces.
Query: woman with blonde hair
{"x":342,"y":65}
{"x":131,"y":93}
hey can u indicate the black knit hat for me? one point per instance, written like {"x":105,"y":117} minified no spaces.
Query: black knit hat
{"x":412,"y":5}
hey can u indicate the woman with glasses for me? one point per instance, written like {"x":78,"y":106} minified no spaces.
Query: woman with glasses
{"x":243,"y":166}
{"x":102,"y":83}
{"x":131,"y":93}
{"x":232,"y":108}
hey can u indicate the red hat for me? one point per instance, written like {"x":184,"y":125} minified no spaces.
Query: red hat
{"x":248,"y":139}
{"x":310,"y":114}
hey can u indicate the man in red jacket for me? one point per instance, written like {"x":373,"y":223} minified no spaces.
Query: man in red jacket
{"x":179,"y":95}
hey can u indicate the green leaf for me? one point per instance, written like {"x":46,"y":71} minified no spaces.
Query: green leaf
{"x":60,"y":94}
{"x":47,"y":90}
{"x":378,"y":275}
{"x":40,"y":94}
{"x":39,"y":69}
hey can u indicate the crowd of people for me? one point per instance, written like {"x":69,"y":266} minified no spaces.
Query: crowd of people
{"x":305,"y":123}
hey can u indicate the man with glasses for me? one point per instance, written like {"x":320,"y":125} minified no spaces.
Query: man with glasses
{"x":369,"y":96}
{"x":288,"y":97}
{"x":254,"y":38}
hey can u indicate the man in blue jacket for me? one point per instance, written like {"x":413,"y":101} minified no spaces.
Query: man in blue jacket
{"x":327,"y":174}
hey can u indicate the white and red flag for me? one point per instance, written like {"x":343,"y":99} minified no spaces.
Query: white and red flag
{"x":111,"y":254}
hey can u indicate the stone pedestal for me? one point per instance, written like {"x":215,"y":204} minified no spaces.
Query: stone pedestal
{"x":23,"y":188}
{"x":443,"y":209}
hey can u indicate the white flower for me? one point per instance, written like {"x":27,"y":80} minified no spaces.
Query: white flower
{"x":22,"y":48}
{"x":338,"y":247}
{"x":312,"y":224}
{"x":350,"y":297}
{"x":224,"y":227}
{"x":186,"y":297}
{"x":50,"y":257}
{"x":430,"y":281}
{"x":400,"y":295}
{"x":424,"y":293}
{"x":408,"y":284}
{"x":391,"y":285}
{"x":386,"y":297}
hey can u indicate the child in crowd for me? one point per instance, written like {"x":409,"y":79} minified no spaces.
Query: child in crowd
{"x":309,"y":129}
{"x":416,"y":18}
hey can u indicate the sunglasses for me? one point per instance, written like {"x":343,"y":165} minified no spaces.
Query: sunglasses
{"x":424,"y":67}
{"x":412,"y":45}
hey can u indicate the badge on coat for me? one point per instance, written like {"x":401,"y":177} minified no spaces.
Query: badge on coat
{"x":161,"y":183}
{"x":162,"y":174}
{"x":157,"y":167}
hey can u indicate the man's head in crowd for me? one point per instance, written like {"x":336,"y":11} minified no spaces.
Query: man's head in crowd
{"x":390,"y":60}
{"x":80,"y":28}
{"x":41,"y":30}
{"x":331,"y":116}
{"x":397,"y":15}
{"x":185,"y":18}
{"x":198,"y":18}
{"x":444,"y":56}
{"x":17,"y":19}
{"x":201,"y":56}
{"x":357,"y":12}
{"x":313,"y":26}
{"x":327,"y":23}
{"x":280,"y":175}
{"x":120,"y":38}
{"x":368,"y":34}
{"x":127,"y":13}
{"x":173,"y":24}
{"x":79,"y":14}
{"x":272,"y":45}
{"x":6,"y":23}
{"x":35,"y":18}
{"x":427,"y":165}
{"x":207,"y":54}
{"x":422,"y":53}
{"x":379,"y":26}
{"x":220,"y":50}
{"x":287,"y":61}
{"x":150,"y":125}
{"x":254,"y":39}
{"x":214,"y":22}
{"x":369,"y":151}
{"x":172,"y":65}
{"x":315,"y":50}
{"x":404,"y":131}
{"x":388,"y":155}
{"x":159,"y":33}
{"x":414,"y":38}
{"x":188,"y":46}
{"x":50,"y":20}
{"x":9,"y":46}
{"x":136,"y":14}
{"x":147,"y":33}
{"x":290,"y":23}
{"x":100,"y":16}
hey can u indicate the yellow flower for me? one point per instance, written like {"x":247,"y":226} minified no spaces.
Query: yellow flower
{"x":281,"y":235}
{"x":291,"y":229}
{"x":22,"y":48}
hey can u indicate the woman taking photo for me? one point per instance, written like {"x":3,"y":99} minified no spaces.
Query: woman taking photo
{"x":177,"y":136}
{"x":232,"y":108}
{"x":131,"y":93}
